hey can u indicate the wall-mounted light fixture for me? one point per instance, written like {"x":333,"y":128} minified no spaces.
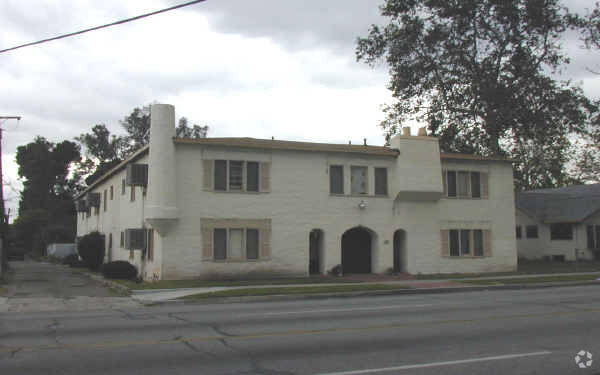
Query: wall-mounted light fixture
{"x":362,"y":205}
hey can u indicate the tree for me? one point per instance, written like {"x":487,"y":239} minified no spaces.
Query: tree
{"x":183,"y":130}
{"x":46,"y":210}
{"x":479,"y":73}
{"x":103,"y":152}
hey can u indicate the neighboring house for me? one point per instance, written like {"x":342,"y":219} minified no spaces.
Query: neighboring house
{"x":244,"y":207}
{"x":553,"y":223}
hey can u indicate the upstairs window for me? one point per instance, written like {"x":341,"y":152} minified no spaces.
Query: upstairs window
{"x":531,"y":231}
{"x":220,"y":243}
{"x":111,"y":192}
{"x":465,"y":184}
{"x":593,"y":236}
{"x":518,"y":229}
{"x":236,"y":175}
{"x":123,"y":185}
{"x":105,"y":200}
{"x":336,"y":179}
{"x":561,"y":231}
{"x":358,"y":180}
{"x":381,"y":185}
{"x":230,"y":175}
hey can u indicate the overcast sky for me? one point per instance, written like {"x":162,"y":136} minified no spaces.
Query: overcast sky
{"x":257,"y":68}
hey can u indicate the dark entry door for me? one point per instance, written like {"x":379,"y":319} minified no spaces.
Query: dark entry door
{"x":356,"y":251}
{"x":313,"y":252}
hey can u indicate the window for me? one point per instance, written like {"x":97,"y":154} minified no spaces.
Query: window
{"x":478,"y":242}
{"x":451,"y":184}
{"x":251,"y":176}
{"x":105,"y":200}
{"x":518,"y":228}
{"x":236,"y":175}
{"x":467,"y":242}
{"x":110,"y":241}
{"x":123,"y":187}
{"x":593,"y":236}
{"x":463,"y":184}
{"x":336,"y":179}
{"x":475,"y":185}
{"x":122,"y":243}
{"x":220,"y":174}
{"x":381,"y":181}
{"x":561,"y":231}
{"x":531,"y":231}
{"x":111,"y":192}
{"x":358,"y":180}
{"x":252,"y":243}
{"x":454,"y":243}
{"x":132,"y":193}
{"x":231,"y":175}
{"x":236,"y":243}
{"x":220,"y":243}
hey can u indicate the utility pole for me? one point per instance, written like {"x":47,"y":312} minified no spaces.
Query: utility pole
{"x":4,"y":222}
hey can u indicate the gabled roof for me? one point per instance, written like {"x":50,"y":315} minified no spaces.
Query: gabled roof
{"x":571,"y":204}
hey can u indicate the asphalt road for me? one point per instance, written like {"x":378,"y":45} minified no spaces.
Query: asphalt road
{"x":500,"y":332}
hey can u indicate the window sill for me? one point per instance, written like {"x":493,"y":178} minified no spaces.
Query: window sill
{"x":465,"y":198}
{"x":465,"y":256}
{"x":358,"y":195}
{"x":237,"y":192}
{"x":238,"y":260}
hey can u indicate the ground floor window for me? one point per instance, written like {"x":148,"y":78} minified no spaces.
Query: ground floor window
{"x":561,"y":231}
{"x":466,"y":242}
{"x":235,"y":243}
{"x":593,"y":236}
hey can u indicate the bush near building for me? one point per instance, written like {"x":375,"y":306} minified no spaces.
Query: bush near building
{"x":119,"y":269}
{"x":91,"y":249}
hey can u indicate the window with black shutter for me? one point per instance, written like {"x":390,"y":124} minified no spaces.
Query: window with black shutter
{"x":252,"y":176}
{"x":381,"y":181}
{"x":475,"y":185}
{"x":220,"y":243}
{"x":518,"y":230}
{"x":531,"y":231}
{"x":454,"y":243}
{"x":591,"y":243}
{"x":251,"y":243}
{"x":336,"y":179}
{"x":220,"y":175}
{"x":451,"y":183}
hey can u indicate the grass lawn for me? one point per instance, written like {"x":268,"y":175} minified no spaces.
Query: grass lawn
{"x":293,"y":290}
{"x":533,"y":280}
{"x":173,"y":284}
{"x":523,"y":268}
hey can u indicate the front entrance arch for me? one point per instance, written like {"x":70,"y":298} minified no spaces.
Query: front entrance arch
{"x":356,"y":251}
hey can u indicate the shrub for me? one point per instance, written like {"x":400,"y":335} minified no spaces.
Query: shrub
{"x":72,"y":260}
{"x":91,"y":249}
{"x":119,"y":269}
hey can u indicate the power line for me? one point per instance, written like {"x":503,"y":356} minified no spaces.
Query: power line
{"x":103,"y":26}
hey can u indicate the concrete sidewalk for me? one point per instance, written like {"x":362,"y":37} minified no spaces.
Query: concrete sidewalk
{"x":162,"y":295}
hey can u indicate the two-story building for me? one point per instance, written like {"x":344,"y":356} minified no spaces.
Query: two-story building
{"x":245,"y":207}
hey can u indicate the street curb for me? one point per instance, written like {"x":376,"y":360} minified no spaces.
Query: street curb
{"x":318,"y":296}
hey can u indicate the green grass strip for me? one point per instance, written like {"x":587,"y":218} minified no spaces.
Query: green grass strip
{"x":294,"y":290}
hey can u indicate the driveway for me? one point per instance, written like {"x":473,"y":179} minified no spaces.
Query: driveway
{"x":36,"y":286}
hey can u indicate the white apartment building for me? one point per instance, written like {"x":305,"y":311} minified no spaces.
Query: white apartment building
{"x":245,"y":207}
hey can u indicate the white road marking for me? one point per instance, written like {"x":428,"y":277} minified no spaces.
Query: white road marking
{"x":438,"y":364}
{"x":342,"y":310}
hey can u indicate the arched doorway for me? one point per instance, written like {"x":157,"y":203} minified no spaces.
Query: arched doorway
{"x":399,"y":251}
{"x":356,"y":251}
{"x":315,"y":251}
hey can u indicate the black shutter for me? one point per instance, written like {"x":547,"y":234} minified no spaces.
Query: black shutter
{"x":451,"y":183}
{"x":252,"y":176}
{"x":475,"y":185}
{"x":381,"y":181}
{"x":252,"y":243}
{"x":220,"y":243}
{"x":220,"y":175}
{"x":336,"y":179}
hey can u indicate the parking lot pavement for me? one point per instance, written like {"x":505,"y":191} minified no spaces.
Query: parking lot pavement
{"x":36,"y":286}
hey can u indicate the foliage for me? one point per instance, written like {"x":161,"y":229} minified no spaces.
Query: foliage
{"x":91,"y":250}
{"x":72,"y":260}
{"x":119,"y":269}
{"x":479,"y":73}
{"x":183,"y":130}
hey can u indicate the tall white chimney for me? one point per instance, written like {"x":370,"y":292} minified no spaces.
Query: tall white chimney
{"x":161,"y":196}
